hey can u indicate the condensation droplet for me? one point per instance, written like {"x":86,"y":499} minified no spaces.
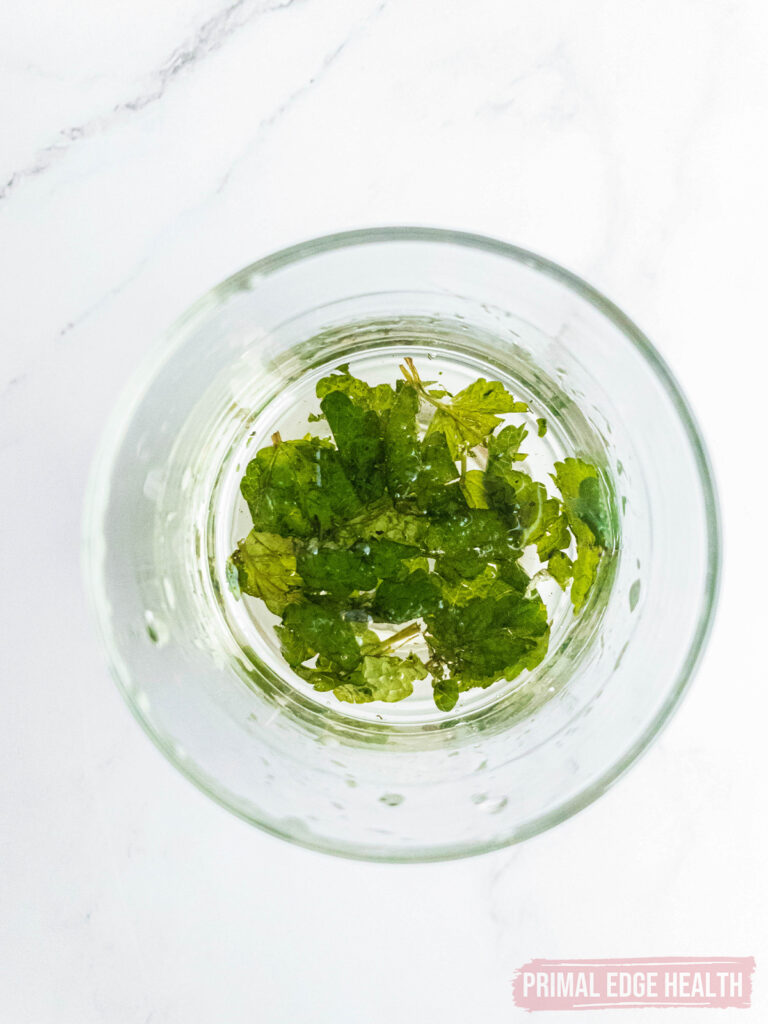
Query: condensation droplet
{"x":157,"y":631}
{"x":186,"y":479}
{"x":634,"y":595}
{"x":153,"y":482}
{"x":391,"y":799}
{"x":170,"y":596}
{"x":495,"y":805}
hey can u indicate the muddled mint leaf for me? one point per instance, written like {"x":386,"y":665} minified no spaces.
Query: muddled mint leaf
{"x":265,"y":566}
{"x":489,"y":583}
{"x":438,"y":484}
{"x":473,"y":488}
{"x":515,"y":635}
{"x":335,"y":571}
{"x":378,"y":398}
{"x":464,"y":544}
{"x":359,"y":439}
{"x":298,"y":489}
{"x":411,"y":521}
{"x":446,"y":694}
{"x":586,"y":511}
{"x":584,"y":496}
{"x":341,"y":572}
{"x":313,"y":628}
{"x":560,"y":568}
{"x":505,"y":445}
{"x":388,"y":559}
{"x":381,"y":677}
{"x":381,"y":520}
{"x":402,"y":600}
{"x":472,"y":415}
{"x":403,"y":448}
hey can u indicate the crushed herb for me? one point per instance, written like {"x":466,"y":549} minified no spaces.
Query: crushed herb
{"x":386,"y":528}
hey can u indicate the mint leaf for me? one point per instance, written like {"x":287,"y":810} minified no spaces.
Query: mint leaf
{"x":360,"y":442}
{"x":298,"y":488}
{"x":472,"y":486}
{"x":560,"y":568}
{"x":336,"y":571}
{"x":379,"y":398}
{"x":381,"y":677}
{"x":586,"y":511}
{"x":446,"y":693}
{"x":438,"y":489}
{"x":403,"y":448}
{"x":308,"y":629}
{"x":515,"y":635}
{"x":472,"y":415}
{"x":391,"y":523}
{"x":465,"y":543}
{"x":584,"y":497}
{"x":400,"y":601}
{"x":265,"y":566}
{"x":380,"y":520}
{"x":505,"y":445}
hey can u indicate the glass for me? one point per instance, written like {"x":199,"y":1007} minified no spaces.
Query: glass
{"x":202,"y":672}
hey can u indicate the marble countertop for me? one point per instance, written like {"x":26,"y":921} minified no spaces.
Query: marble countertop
{"x":148,"y":151}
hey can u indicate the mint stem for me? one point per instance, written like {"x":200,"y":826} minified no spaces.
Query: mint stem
{"x":414,"y":629}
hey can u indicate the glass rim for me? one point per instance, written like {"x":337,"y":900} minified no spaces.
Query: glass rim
{"x":97,"y":491}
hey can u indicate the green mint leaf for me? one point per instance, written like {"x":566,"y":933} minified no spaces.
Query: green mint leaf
{"x":341,"y":572}
{"x":438,"y":487}
{"x":381,"y":677}
{"x":360,"y":443}
{"x":473,"y":488}
{"x":584,"y":497}
{"x":387,"y":559}
{"x":412,"y":598}
{"x":308,"y":629}
{"x":298,"y":488}
{"x":335,"y":571}
{"x":403,"y":448}
{"x":489,"y":583}
{"x":560,"y":568}
{"x":465,"y":543}
{"x":586,"y":511}
{"x":446,"y":693}
{"x":472,"y":415}
{"x":265,"y":567}
{"x":505,"y":446}
{"x":514,"y":494}
{"x":379,"y":398}
{"x":486,"y":639}
{"x":380,"y":520}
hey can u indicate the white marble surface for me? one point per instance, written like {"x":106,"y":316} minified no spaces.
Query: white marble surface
{"x":150,"y":149}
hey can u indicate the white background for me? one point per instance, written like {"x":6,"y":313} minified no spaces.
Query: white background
{"x":147,"y":150}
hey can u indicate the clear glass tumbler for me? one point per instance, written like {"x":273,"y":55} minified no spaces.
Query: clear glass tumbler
{"x":203,"y":674}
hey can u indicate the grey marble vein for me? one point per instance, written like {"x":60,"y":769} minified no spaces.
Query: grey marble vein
{"x":209,"y":38}
{"x":327,"y":63}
